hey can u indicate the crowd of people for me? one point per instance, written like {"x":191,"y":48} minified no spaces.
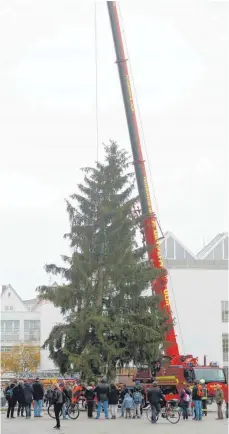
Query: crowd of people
{"x":192,"y":402}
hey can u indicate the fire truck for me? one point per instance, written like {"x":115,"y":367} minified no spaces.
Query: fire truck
{"x":178,"y":368}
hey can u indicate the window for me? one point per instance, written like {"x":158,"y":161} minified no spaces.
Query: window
{"x":32,"y":330}
{"x":209,"y":374}
{"x":9,"y":294}
{"x":10,"y":330}
{"x":225,"y":346}
{"x":224,"y":311}
{"x":9,"y":308}
{"x":5,"y":349}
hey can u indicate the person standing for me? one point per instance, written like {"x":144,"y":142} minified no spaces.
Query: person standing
{"x":102,"y":391}
{"x":11,"y":397}
{"x":128,"y":405}
{"x":90,"y":396}
{"x":123,"y":392}
{"x":21,"y":401}
{"x":184,"y":401}
{"x":137,"y":398}
{"x":205,"y":397}
{"x":38,"y":394}
{"x":197,"y":395}
{"x":28,"y":398}
{"x":155,"y":396}
{"x":219,"y":401}
{"x":113,"y":400}
{"x":58,"y":404}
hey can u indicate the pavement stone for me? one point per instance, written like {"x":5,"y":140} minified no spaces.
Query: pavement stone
{"x":208,"y":425}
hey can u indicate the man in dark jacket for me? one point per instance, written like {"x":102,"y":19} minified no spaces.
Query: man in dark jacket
{"x":11,"y":397}
{"x":102,"y":391}
{"x":58,"y":404}
{"x":155,"y":397}
{"x":20,"y":398}
{"x":38,"y":394}
{"x":28,"y":398}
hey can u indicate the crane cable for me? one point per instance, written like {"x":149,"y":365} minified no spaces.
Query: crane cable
{"x":148,"y":165}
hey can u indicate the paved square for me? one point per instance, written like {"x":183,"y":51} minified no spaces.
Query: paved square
{"x":82,"y":425}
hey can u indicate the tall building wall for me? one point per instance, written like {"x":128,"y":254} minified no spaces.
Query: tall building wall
{"x":196,"y":296}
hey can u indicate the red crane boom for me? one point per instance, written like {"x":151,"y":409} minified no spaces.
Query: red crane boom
{"x":150,"y":221}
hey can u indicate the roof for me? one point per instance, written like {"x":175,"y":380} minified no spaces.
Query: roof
{"x":30,"y":304}
{"x":170,"y":234}
{"x":7,"y":287}
{"x":212,"y":245}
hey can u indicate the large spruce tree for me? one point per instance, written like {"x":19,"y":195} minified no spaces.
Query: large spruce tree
{"x":109,"y":321}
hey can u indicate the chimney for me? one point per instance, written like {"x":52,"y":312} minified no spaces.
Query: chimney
{"x":4,"y":287}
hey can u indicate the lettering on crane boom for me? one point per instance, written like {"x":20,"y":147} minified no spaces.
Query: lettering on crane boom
{"x":153,"y":223}
{"x":130,"y":93}
{"x":154,"y":229}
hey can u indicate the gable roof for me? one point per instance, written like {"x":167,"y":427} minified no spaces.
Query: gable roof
{"x":212,"y":245}
{"x":9,"y":287}
{"x":170,"y":234}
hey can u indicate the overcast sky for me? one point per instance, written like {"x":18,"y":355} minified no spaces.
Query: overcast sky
{"x":178,"y":53}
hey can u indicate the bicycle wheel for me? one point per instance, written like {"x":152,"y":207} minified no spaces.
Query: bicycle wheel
{"x":73,"y":411}
{"x":149,"y":414}
{"x":51,"y":412}
{"x":173,"y":416}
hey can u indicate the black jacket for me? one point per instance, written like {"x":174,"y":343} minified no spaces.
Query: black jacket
{"x":38,"y":391}
{"x":195,"y":397}
{"x":57,"y":397}
{"x":67,"y":393}
{"x":155,"y":395}
{"x":89,"y":394}
{"x":113,"y":396}
{"x":102,"y":390}
{"x":20,"y":392}
{"x":28,"y":393}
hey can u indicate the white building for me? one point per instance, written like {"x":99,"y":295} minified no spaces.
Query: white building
{"x":28,"y":322}
{"x":198,"y":289}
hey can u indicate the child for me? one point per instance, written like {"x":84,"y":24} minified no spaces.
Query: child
{"x":137,"y":398}
{"x":128,"y":404}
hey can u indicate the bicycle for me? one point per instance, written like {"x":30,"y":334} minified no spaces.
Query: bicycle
{"x":72,"y":410}
{"x":169,"y":412}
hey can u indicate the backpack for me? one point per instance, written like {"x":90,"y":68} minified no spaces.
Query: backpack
{"x":200,"y":392}
{"x":186,"y":397}
{"x":9,"y":393}
{"x":137,"y":398}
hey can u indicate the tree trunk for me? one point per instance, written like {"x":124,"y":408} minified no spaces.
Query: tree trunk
{"x":99,"y":297}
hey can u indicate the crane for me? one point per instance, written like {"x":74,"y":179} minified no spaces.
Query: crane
{"x":181,"y":368}
{"x":159,"y":286}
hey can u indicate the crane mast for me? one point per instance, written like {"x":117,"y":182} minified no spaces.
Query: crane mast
{"x":150,"y":222}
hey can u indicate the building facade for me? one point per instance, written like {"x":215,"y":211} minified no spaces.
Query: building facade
{"x":28,"y":322}
{"x":198,"y":289}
